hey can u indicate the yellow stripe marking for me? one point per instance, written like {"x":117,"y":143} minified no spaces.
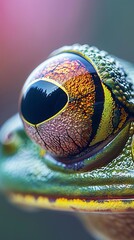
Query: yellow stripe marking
{"x":133,"y":146}
{"x":115,"y":205}
{"x":105,"y":127}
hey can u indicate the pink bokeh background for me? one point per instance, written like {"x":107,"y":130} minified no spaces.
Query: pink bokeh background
{"x":30,"y":30}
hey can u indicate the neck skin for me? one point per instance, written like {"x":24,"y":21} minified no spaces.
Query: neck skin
{"x":109,"y":226}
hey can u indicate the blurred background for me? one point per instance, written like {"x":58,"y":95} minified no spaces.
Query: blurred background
{"x":29,"y":31}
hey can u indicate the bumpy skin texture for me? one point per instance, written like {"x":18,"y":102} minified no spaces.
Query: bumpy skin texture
{"x":102,"y":182}
{"x":26,"y":171}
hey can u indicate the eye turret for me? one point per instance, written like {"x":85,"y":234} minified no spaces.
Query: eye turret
{"x":75,"y":101}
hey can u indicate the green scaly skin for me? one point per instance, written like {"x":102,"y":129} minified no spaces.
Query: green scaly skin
{"x":24,"y":169}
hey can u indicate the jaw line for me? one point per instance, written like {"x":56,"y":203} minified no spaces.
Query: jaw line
{"x":73,"y":204}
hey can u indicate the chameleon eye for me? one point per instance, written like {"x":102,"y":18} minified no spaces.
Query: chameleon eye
{"x":74,"y":102}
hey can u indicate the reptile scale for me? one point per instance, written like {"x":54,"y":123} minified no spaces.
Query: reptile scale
{"x":71,"y":147}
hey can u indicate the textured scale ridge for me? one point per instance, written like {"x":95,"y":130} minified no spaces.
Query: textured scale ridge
{"x":109,"y":70}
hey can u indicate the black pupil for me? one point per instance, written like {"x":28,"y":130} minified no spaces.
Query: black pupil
{"x":41,"y":101}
